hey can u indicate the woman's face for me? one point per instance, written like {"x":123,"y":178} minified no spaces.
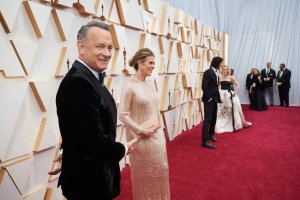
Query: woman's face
{"x":146,"y":67}
{"x":255,"y":72}
{"x":225,"y":71}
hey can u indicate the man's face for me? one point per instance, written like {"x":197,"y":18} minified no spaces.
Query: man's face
{"x":221,"y":65}
{"x":269,"y":65}
{"x":96,"y":49}
{"x":281,"y":67}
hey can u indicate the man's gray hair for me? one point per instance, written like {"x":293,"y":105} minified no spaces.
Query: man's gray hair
{"x":82,"y":33}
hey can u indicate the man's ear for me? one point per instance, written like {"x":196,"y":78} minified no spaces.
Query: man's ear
{"x":80,"y":46}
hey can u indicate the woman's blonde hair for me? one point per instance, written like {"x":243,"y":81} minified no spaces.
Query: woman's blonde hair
{"x":140,"y":55}
{"x":227,"y":68}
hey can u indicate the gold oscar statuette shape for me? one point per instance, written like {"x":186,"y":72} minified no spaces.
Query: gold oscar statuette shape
{"x":102,"y":16}
{"x":68,"y":64}
{"x":125,"y":71}
{"x":169,"y":107}
{"x":168,"y":34}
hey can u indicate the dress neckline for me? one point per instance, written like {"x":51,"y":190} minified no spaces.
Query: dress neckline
{"x":137,"y":80}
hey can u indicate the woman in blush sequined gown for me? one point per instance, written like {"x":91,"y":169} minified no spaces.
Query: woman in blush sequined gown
{"x":148,"y":160}
{"x":230,"y":116}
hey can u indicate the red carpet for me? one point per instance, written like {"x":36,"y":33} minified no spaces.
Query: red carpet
{"x":260,"y":162}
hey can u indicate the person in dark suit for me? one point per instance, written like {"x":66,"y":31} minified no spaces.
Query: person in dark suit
{"x":284,"y":84}
{"x":87,"y":117}
{"x":268,"y":75}
{"x":210,"y":98}
{"x":249,"y":81}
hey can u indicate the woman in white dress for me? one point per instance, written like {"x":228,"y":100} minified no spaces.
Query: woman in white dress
{"x":230,"y":116}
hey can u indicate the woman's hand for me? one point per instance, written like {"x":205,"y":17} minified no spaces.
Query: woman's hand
{"x":146,"y":133}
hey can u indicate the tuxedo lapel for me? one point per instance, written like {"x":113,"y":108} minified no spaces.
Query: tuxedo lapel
{"x":214,"y":76}
{"x":105,"y":97}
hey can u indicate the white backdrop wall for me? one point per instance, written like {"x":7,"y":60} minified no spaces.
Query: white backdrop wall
{"x":259,"y":31}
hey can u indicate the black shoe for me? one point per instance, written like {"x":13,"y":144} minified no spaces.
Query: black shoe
{"x":213,"y":138}
{"x":208,"y":145}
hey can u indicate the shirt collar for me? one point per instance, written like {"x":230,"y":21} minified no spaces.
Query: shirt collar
{"x":96,"y":74}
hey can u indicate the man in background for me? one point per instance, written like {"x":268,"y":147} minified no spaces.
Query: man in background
{"x":284,"y":84}
{"x":268,"y":75}
{"x":249,"y":81}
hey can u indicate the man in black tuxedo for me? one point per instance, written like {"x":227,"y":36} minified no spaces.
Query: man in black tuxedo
{"x":284,"y":84}
{"x":87,"y":118}
{"x":249,"y":82}
{"x":210,"y":98}
{"x":268,"y":75}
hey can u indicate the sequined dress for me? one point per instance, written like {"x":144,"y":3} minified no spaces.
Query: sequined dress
{"x":148,"y":161}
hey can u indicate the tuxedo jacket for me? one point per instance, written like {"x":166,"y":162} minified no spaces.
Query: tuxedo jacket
{"x":271,"y":75}
{"x":87,"y":118}
{"x":284,"y":79}
{"x":249,"y":81}
{"x":210,"y":86}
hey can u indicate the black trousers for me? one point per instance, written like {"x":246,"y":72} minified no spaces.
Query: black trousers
{"x":210,"y":118}
{"x":284,"y":96}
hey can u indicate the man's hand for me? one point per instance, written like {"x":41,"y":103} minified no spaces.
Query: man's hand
{"x":57,"y":165}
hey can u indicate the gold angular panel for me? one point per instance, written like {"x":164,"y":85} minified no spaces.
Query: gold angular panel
{"x":63,"y":64}
{"x":130,"y":14}
{"x":164,"y":19}
{"x":87,"y":7}
{"x":63,"y":3}
{"x":37,"y":96}
{"x":225,"y":39}
{"x":38,"y":15}
{"x":63,"y":21}
{"x":8,"y":14}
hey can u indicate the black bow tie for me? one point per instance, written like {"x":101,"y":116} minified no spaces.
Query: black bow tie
{"x":101,"y":77}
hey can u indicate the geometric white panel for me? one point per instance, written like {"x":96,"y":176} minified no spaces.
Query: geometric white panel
{"x":106,"y":8}
{"x":9,"y":11}
{"x":20,"y":173}
{"x":63,"y":22}
{"x":130,"y":14}
{"x":114,"y":15}
{"x":31,"y":174}
{"x":56,"y":193}
{"x":38,"y":195}
{"x":46,"y":137}
{"x":64,"y":63}
{"x":38,"y":15}
{"x":8,"y":189}
{"x":170,"y":119}
{"x":173,"y":58}
{"x":9,"y":62}
{"x":118,"y":33}
{"x":26,"y":50}
{"x":9,"y":111}
{"x":38,"y":176}
{"x":47,"y":91}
